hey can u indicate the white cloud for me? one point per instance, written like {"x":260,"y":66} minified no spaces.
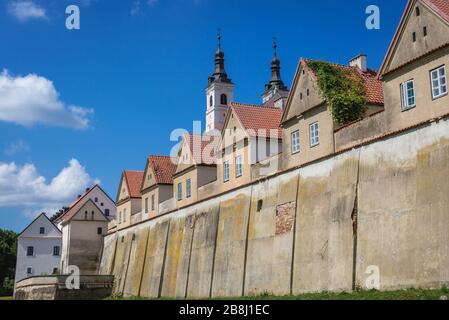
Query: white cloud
{"x":16,"y":147}
{"x":152,"y":2}
{"x":32,"y":99}
{"x":25,"y":188}
{"x":25,"y":10}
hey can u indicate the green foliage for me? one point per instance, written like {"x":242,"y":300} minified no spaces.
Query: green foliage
{"x":343,"y":89}
{"x":8,"y":247}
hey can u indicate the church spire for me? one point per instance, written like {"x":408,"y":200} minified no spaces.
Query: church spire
{"x":276,"y":81}
{"x":219,"y":74}
{"x":275,"y":89}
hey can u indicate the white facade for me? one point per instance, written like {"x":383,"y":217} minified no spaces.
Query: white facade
{"x":38,"y":249}
{"x":101,"y":200}
{"x":216,"y":110}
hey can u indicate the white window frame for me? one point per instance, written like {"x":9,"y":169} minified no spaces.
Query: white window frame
{"x":226,"y":171}
{"x":31,"y":270}
{"x":296,"y":142}
{"x":314,"y":132}
{"x":188,"y":188}
{"x":32,"y":253}
{"x":238,"y":166}
{"x":405,"y":97}
{"x":437,"y":82}
{"x":59,"y":251}
{"x":179,"y":196}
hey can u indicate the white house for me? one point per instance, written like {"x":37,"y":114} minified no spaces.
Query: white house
{"x":38,"y":249}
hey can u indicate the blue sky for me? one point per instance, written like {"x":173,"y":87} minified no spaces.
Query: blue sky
{"x":137,"y":70}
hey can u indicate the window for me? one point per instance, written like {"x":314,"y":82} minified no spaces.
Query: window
{"x":96,"y":199}
{"x":30,"y":251}
{"x":41,"y":230}
{"x":120,"y":217}
{"x":439,"y":85}
{"x":55,"y":270}
{"x":101,"y":204}
{"x":124,"y":215}
{"x":295,"y":142}
{"x":226,"y":171}
{"x":238,"y":166}
{"x":29,"y":270}
{"x":223,"y":99}
{"x":314,"y":134}
{"x":308,"y":92}
{"x":408,"y":95}
{"x":259,"y":205}
{"x":418,"y":12}
{"x":99,"y":230}
{"x":106,"y":212}
{"x":424,"y":30}
{"x":152,"y":202}
{"x":56,"y":250}
{"x":300,"y":96}
{"x":211,"y":101}
{"x":85,"y":215}
{"x":92,"y":215}
{"x":146,"y":205}
{"x":414,"y":36}
{"x":179,"y":191}
{"x":188,"y":188}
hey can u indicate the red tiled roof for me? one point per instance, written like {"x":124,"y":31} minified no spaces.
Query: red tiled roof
{"x":259,"y":121}
{"x":133,"y":181}
{"x":440,"y":6}
{"x":373,"y":86}
{"x":202,"y":148}
{"x":163,"y":168}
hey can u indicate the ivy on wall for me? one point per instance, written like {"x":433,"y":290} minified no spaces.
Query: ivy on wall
{"x":344,"y":90}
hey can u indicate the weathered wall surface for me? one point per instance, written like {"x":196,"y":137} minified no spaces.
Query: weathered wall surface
{"x":329,"y":226}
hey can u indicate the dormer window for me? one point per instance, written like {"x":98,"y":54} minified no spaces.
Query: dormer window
{"x":224,"y":99}
{"x":418,"y":11}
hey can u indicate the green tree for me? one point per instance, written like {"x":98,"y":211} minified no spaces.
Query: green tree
{"x":8,"y":250}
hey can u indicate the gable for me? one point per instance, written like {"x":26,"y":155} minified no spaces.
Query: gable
{"x":184,"y":159}
{"x":88,"y":208}
{"x":228,"y":136}
{"x":33,"y":229}
{"x":122,"y":192}
{"x":304,"y":94}
{"x":149,"y":179}
{"x":403,"y":49}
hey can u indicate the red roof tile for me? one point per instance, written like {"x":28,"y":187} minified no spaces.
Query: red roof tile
{"x":133,"y":180}
{"x":259,"y":121}
{"x":373,"y":86}
{"x":440,"y":6}
{"x":163,"y":168}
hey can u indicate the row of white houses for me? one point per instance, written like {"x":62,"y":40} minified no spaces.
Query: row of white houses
{"x":73,"y":237}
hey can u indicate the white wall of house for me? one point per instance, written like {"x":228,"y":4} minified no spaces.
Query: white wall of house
{"x":42,"y":261}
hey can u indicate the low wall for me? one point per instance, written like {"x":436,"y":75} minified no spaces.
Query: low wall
{"x":54,"y":288}
{"x":322,"y":227}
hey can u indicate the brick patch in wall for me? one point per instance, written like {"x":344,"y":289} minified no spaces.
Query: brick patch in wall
{"x":285,"y":216}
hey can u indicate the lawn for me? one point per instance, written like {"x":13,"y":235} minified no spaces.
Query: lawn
{"x":409,"y":294}
{"x":6,"y":298}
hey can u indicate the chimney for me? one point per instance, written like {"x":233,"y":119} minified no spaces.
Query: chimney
{"x":79,"y":196}
{"x":359,"y":62}
{"x":87,"y":190}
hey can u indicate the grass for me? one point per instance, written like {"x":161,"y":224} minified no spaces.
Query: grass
{"x":409,"y":294}
{"x":6,"y":298}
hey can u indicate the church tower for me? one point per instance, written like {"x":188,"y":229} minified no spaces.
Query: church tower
{"x":219,"y":93}
{"x":276,"y":92}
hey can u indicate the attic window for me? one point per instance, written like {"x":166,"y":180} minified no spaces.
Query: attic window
{"x":424,"y":31}
{"x":42,"y":230}
{"x":414,"y":36}
{"x":308,"y":92}
{"x":418,"y":12}
{"x":300,"y":96}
